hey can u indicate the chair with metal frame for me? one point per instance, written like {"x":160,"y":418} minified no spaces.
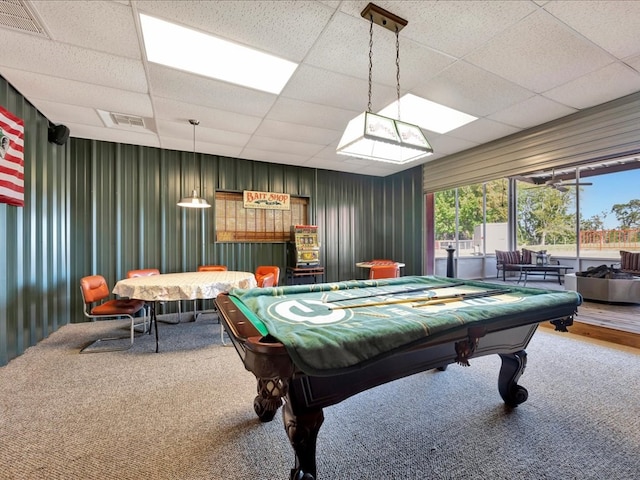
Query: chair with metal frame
{"x":268,"y":280}
{"x":207,"y":268}
{"x":94,"y":290}
{"x":147,"y":272}
{"x":212,"y":268}
{"x":264,"y":270}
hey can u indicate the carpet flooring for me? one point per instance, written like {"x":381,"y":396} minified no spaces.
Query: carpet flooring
{"x":186,"y":413}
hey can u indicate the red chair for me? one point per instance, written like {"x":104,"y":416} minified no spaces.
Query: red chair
{"x":384,"y":271}
{"x":94,"y":290}
{"x":264,"y":270}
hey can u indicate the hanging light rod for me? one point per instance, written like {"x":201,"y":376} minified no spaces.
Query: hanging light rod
{"x":383,"y":17}
{"x":194,"y":201}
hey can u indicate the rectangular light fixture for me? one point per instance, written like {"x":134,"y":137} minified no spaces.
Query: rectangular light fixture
{"x":185,"y":49}
{"x":428,"y":115}
{"x":375,"y":137}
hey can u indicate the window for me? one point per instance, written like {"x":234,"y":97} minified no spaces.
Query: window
{"x":546,"y":219}
{"x":610,"y":215}
{"x":472,"y":218}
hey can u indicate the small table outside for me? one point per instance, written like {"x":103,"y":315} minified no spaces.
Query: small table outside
{"x":557,"y":270}
{"x":171,"y":287}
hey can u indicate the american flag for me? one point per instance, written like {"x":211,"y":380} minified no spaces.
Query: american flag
{"x":11,"y":159}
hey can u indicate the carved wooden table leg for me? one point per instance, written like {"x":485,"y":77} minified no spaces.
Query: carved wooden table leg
{"x":513,"y":365}
{"x":302,"y":431}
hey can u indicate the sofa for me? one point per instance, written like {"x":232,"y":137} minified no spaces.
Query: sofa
{"x":630,"y":262}
{"x":511,"y":260}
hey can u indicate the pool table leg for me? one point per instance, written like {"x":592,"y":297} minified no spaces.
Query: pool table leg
{"x":513,"y":365}
{"x":302,"y":431}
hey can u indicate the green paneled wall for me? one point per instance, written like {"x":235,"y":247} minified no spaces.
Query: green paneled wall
{"x":125,"y":215}
{"x":34,"y":247}
{"x":99,"y":207}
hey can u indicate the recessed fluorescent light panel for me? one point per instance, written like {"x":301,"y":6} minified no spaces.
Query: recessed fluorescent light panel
{"x":428,"y":115}
{"x":185,"y":49}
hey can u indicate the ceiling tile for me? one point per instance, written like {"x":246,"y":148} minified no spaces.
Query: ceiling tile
{"x":169,"y":84}
{"x":471,"y":90}
{"x":310,"y":114}
{"x":323,"y":87}
{"x":439,"y":24}
{"x":116,"y":35}
{"x":587,"y":90}
{"x":45,"y":87}
{"x":514,"y":64}
{"x":344,"y":48}
{"x":38,"y":55}
{"x":284,"y":130}
{"x":529,"y":55}
{"x":176,"y":111}
{"x":531,"y":112}
{"x":483,"y":130}
{"x":287,"y":28}
{"x":283,"y":146}
{"x":613,"y":25}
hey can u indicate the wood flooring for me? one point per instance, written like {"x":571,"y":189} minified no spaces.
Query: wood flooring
{"x":616,"y":323}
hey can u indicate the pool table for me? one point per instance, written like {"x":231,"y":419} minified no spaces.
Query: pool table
{"x":311,"y":346}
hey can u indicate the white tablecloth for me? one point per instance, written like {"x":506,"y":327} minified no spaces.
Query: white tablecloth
{"x":183,"y":286}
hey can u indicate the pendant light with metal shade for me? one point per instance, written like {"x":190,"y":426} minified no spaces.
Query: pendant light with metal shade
{"x":194,"y":201}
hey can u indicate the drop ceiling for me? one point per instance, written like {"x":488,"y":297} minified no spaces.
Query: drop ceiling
{"x":512,"y":64}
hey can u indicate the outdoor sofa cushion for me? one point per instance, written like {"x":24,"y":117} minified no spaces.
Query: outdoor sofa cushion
{"x":630,"y":261}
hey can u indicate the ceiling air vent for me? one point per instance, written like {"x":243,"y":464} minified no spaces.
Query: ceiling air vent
{"x":123,"y":120}
{"x":16,"y":15}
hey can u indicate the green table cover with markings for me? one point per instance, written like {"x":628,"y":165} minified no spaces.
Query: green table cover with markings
{"x":332,"y":327}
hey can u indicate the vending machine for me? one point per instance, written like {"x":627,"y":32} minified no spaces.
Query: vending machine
{"x":304,"y":248}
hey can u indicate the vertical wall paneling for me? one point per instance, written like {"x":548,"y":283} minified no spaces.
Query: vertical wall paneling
{"x":99,"y":207}
{"x":34,"y":268}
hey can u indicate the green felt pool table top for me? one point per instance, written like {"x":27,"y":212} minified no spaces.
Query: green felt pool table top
{"x":330,"y":327}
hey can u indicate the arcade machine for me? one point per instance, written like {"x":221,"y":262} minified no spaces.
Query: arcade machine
{"x":304,"y":254}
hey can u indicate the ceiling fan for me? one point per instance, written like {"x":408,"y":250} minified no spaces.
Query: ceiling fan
{"x":561,"y":185}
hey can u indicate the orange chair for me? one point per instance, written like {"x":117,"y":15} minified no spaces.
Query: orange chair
{"x":147,"y":272}
{"x":206,"y":268}
{"x":264,"y":270}
{"x":212,"y":268}
{"x":384,"y":271}
{"x":268,"y":280}
{"x":94,"y":289}
{"x":144,"y":272}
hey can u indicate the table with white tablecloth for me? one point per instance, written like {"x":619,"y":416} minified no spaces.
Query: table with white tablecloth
{"x":170,"y":287}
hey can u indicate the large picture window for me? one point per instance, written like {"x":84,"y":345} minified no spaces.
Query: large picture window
{"x":474,"y":219}
{"x":610,"y":215}
{"x":547,"y":219}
